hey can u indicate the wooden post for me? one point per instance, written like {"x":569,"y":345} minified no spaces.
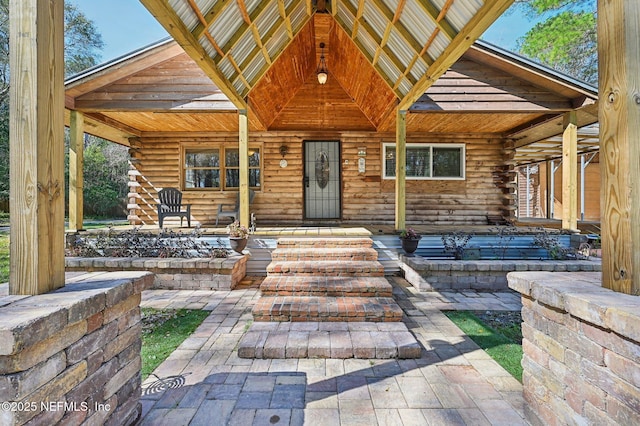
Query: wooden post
{"x":36,"y":146}
{"x":401,"y":168}
{"x":76,"y":171}
{"x":619,"y":113}
{"x":570,"y":172}
{"x":243,"y":131}
{"x":548,"y":165}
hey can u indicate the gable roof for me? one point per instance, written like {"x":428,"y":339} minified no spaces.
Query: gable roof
{"x":161,"y":89}
{"x":410,"y":43}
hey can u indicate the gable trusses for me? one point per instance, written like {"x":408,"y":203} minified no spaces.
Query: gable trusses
{"x":410,"y":43}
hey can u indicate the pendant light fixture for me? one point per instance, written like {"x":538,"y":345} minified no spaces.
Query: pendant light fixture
{"x":322,"y":67}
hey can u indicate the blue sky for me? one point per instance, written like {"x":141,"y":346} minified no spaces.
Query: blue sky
{"x":125,"y":25}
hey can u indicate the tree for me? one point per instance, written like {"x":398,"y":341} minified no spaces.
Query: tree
{"x":82,"y":50}
{"x":566,"y":40}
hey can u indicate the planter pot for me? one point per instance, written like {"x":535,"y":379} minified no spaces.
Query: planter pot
{"x":409,"y":245}
{"x":237,"y":244}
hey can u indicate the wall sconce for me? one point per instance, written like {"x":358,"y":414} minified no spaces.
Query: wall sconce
{"x":283,"y":152}
{"x":322,"y":72}
{"x":362,"y":162}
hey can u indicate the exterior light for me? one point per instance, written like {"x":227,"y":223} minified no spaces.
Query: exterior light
{"x":322,"y":72}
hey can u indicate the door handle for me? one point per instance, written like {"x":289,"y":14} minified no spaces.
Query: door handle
{"x":306,"y":181}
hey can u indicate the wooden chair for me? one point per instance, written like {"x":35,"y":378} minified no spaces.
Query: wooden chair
{"x":235,"y":212}
{"x":171,"y":205}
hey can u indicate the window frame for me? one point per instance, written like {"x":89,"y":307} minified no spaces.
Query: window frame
{"x":222,"y":152}
{"x":431,"y":146}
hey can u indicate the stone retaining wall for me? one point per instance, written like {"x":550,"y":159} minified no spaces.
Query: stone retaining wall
{"x":482,"y":275}
{"x":172,"y":273}
{"x":72,"y":356}
{"x":581,"y":346}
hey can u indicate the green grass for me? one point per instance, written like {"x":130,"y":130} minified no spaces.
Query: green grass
{"x":4,"y":257}
{"x":503,"y":345}
{"x":162,"y":333}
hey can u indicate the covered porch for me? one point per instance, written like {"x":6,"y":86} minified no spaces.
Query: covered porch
{"x":37,"y":264}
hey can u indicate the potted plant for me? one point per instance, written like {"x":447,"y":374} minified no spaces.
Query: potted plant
{"x":238,"y":236}
{"x":409,"y":240}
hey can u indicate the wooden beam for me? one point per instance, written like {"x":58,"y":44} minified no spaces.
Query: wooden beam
{"x":171,"y":22}
{"x":285,"y":18}
{"x":485,"y":16}
{"x":570,"y":172}
{"x":76,"y":170}
{"x":401,"y":168}
{"x":36,"y":146}
{"x":209,"y":16}
{"x":243,"y":143}
{"x":619,"y":86}
{"x":439,"y":17}
{"x":357,"y":15}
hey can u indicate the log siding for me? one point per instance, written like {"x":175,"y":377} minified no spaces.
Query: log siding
{"x":366,"y":197}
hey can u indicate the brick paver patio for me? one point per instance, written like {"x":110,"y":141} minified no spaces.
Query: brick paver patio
{"x":204,"y":382}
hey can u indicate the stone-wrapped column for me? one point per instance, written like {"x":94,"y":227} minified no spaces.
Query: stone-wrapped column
{"x":581,"y":346}
{"x":72,"y":356}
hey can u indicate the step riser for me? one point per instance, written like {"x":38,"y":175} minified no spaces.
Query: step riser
{"x":324,"y":309}
{"x":328,"y":286}
{"x":341,"y":257}
{"x":335,"y":269}
{"x":340,"y":340}
{"x":327,"y":292}
{"x":324,"y":243}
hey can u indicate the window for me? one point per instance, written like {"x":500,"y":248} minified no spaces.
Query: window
{"x":203,"y":168}
{"x":425,"y":161}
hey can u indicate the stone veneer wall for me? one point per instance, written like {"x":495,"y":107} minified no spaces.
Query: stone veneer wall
{"x":72,"y":356}
{"x":172,"y":273}
{"x":482,"y":275}
{"x":581,"y":350}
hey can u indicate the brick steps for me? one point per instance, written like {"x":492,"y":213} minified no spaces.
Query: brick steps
{"x":328,"y":267}
{"x":327,"y":298}
{"x":323,"y":253}
{"x":282,"y":285}
{"x":339,"y":340}
{"x":314,"y":308}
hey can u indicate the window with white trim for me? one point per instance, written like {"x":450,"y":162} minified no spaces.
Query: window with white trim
{"x":218,"y":168}
{"x":426,"y":161}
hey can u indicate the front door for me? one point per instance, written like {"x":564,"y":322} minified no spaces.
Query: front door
{"x":322,"y":180}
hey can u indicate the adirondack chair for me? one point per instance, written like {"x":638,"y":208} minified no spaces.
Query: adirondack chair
{"x":171,"y":205}
{"x":233,"y":210}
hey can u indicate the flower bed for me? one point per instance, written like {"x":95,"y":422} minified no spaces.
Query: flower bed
{"x":172,"y":273}
{"x":179,"y":262}
{"x":482,"y":275}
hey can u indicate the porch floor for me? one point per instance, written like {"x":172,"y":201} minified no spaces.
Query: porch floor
{"x":453,"y":382}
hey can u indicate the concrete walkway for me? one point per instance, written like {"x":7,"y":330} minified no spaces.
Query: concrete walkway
{"x":453,"y":383}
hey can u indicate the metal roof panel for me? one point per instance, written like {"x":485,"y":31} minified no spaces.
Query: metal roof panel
{"x":400,"y":47}
{"x":415,"y":18}
{"x":440,"y":42}
{"x":267,"y":19}
{"x":345,"y":16}
{"x":243,"y":47}
{"x":224,"y":28}
{"x":375,"y":19}
{"x":185,"y":12}
{"x":277,"y":41}
{"x":298,"y":16}
{"x":460,"y":12}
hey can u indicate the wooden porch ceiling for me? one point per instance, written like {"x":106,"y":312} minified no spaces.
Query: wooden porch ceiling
{"x":409,"y":43}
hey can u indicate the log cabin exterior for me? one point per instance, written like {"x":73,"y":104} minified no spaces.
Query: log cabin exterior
{"x":160,"y":103}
